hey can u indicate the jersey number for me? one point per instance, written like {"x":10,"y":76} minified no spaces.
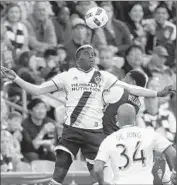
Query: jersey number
{"x":135,"y":155}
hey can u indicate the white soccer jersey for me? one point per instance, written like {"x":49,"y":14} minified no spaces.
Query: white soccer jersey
{"x":130,"y":151}
{"x":84,"y":106}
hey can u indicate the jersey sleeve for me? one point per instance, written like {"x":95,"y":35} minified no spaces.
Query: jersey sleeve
{"x":103,"y":153}
{"x":109,"y":79}
{"x":112,"y":95}
{"x":160,"y":143}
{"x":60,"y":80}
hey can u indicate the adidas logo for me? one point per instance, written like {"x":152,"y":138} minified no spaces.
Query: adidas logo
{"x":75,"y":78}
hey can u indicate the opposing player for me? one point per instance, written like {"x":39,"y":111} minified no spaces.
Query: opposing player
{"x":130,"y":150}
{"x":84,"y":87}
{"x":117,"y":96}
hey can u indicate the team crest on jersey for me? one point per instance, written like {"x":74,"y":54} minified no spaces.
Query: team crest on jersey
{"x":98,"y":80}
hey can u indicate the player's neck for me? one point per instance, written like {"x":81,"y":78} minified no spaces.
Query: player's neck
{"x":85,"y":71}
{"x":125,"y":126}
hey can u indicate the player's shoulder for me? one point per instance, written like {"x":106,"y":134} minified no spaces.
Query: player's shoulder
{"x":73,"y":70}
{"x":111,"y":138}
{"x":107,"y":74}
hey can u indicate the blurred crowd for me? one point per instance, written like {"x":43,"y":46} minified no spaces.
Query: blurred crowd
{"x":39,"y":40}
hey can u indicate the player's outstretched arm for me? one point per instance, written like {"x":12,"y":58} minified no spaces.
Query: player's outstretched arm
{"x":36,"y":90}
{"x":140,"y":91}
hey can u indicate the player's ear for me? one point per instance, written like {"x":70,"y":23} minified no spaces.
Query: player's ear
{"x":77,"y":62}
{"x":134,"y":82}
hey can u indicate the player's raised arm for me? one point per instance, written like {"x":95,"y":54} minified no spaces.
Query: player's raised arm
{"x":36,"y":90}
{"x":140,"y":91}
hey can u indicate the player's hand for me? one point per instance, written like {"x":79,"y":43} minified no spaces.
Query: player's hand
{"x":173,"y":178}
{"x":169,"y":89}
{"x":8,"y":73}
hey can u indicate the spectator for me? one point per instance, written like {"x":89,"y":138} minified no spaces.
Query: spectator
{"x":38,"y":133}
{"x":40,"y":28}
{"x":115,"y":32}
{"x":14,"y":127}
{"x":82,"y":7}
{"x":16,"y":32}
{"x":24,"y":70}
{"x":4,"y":108}
{"x":133,"y":59}
{"x":120,"y":9}
{"x":160,"y":30}
{"x":79,"y":37}
{"x":10,"y":155}
{"x":6,"y":54}
{"x":155,"y":117}
{"x":149,"y":8}
{"x":63,"y":26}
{"x":51,"y":59}
{"x":156,"y":67}
{"x":107,"y":62}
{"x":6,"y":151}
{"x":134,"y":23}
{"x":62,"y":58}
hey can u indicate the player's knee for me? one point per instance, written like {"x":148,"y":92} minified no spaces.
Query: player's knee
{"x":63,"y":159}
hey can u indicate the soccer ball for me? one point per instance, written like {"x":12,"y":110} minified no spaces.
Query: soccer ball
{"x":96,"y":18}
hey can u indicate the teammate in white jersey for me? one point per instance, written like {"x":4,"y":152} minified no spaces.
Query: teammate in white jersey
{"x":84,"y":87}
{"x":130,"y":151}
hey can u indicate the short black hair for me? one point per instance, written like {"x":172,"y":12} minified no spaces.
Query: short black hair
{"x":50,"y":52}
{"x":163,"y":5}
{"x":34,"y":102}
{"x":139,"y":77}
{"x":80,"y":49}
{"x":132,"y":47}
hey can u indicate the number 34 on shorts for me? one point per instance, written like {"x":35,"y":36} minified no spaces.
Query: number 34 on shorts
{"x":137,"y":156}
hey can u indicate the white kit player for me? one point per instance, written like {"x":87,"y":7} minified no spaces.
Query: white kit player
{"x":130,"y":151}
{"x":84,"y":86}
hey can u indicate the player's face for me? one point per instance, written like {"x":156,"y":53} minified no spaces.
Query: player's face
{"x":161,"y":15}
{"x":128,"y":79}
{"x":86,"y":59}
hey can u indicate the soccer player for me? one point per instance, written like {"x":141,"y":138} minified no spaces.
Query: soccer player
{"x":130,"y":150}
{"x":117,"y":96}
{"x":84,"y":87}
